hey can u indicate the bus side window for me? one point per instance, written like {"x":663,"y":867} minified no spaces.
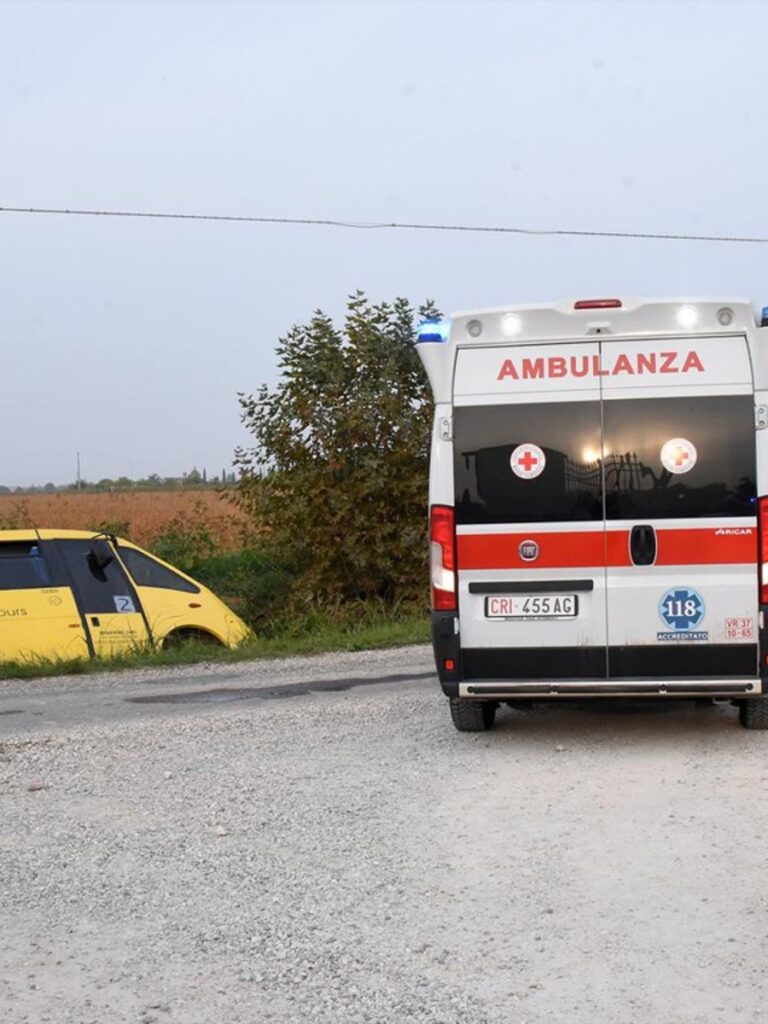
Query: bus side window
{"x":22,"y":566}
{"x":146,"y":572}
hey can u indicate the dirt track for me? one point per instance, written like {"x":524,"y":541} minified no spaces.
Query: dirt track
{"x":348,"y":857}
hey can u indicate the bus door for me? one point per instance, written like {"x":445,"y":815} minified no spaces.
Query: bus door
{"x":106,"y":598}
{"x":38,"y":614}
{"x":529,"y":512}
{"x":681,"y":510}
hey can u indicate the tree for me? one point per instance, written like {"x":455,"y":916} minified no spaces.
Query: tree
{"x":338,"y":468}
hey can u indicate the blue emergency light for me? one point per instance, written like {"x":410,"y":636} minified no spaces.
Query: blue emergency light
{"x":434,"y":330}
{"x":764,"y":317}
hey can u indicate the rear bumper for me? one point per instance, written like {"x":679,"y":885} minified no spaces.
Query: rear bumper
{"x":536,"y":689}
{"x":711,"y":670}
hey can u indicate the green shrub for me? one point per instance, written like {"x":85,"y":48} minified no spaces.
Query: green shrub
{"x":253,"y":582}
{"x":188,"y":539}
{"x":337,"y":473}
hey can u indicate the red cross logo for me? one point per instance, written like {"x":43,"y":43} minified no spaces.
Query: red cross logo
{"x":527,"y":461}
{"x":681,"y":455}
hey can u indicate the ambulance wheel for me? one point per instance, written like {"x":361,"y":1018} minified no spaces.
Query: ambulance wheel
{"x":472,"y":715}
{"x":753,"y":714}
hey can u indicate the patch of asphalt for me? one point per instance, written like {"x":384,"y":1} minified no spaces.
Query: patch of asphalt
{"x":382,"y":661}
{"x":45,"y":705}
{"x":276,"y":692}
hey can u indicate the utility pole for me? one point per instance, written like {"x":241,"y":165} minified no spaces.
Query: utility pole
{"x":79,"y":481}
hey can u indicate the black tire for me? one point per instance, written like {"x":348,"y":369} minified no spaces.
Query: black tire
{"x":472,"y":715}
{"x":180,"y":637}
{"x":753,"y":714}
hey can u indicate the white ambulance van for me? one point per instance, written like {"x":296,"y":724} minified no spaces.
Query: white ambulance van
{"x":599,"y":504}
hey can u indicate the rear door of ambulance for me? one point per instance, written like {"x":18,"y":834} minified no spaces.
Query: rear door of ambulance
{"x":681,"y":508}
{"x":529,"y":512}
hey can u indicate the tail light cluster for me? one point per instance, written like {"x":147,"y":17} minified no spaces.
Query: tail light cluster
{"x":442,"y":557}
{"x":763,"y":532}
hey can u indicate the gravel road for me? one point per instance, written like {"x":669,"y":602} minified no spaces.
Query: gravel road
{"x":347,"y":857}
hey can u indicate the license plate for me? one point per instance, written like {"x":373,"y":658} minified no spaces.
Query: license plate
{"x":531,"y":606}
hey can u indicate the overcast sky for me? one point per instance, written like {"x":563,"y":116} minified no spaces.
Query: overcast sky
{"x":128,"y":340}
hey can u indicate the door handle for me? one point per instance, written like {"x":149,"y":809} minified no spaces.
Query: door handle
{"x":642,"y":545}
{"x":95,"y":620}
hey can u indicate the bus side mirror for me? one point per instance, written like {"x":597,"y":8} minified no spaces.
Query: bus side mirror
{"x":100,"y":555}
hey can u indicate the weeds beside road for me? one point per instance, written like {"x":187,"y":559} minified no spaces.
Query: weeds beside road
{"x":373,"y":630}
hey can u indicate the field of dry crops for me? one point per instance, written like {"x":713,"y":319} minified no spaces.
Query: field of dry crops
{"x":143,"y":516}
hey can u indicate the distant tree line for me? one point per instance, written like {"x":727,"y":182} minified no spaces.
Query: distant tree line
{"x":194,"y":479}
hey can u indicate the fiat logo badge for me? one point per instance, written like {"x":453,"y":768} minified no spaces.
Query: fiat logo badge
{"x":528,"y":550}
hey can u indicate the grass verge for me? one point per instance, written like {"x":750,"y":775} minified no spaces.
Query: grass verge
{"x":373,"y":632}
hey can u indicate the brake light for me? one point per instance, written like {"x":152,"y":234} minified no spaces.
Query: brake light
{"x":442,"y":557}
{"x":597,"y":304}
{"x":763,"y":531}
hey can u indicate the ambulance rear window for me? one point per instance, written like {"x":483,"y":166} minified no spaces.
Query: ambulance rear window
{"x":710,"y":466}
{"x":488,"y":490}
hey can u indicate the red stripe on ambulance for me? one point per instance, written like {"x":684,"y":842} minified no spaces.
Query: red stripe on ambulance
{"x":719,"y":546}
{"x":577,"y":549}
{"x":556,"y":550}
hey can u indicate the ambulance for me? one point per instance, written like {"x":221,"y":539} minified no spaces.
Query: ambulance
{"x":599,"y":504}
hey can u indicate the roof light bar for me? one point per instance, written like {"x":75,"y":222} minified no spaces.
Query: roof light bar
{"x":597,"y":304}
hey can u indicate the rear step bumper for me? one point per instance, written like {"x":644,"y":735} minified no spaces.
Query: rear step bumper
{"x":535,"y":688}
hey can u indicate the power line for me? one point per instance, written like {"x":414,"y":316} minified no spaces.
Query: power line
{"x":388,"y":225}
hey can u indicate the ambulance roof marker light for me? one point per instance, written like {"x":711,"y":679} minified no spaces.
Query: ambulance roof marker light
{"x":597,"y":304}
{"x":433,"y":330}
{"x":511,"y":325}
{"x":688,"y":317}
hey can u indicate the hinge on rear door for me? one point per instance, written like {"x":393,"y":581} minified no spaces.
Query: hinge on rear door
{"x":446,"y":428}
{"x":761,"y":417}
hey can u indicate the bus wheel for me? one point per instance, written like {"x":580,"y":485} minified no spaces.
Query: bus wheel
{"x":472,"y":715}
{"x":181,"y":637}
{"x":753,"y":714}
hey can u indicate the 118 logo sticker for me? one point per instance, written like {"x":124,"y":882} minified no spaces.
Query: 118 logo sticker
{"x":681,"y":610}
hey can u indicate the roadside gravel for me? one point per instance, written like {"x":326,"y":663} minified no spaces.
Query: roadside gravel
{"x":347,"y":857}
